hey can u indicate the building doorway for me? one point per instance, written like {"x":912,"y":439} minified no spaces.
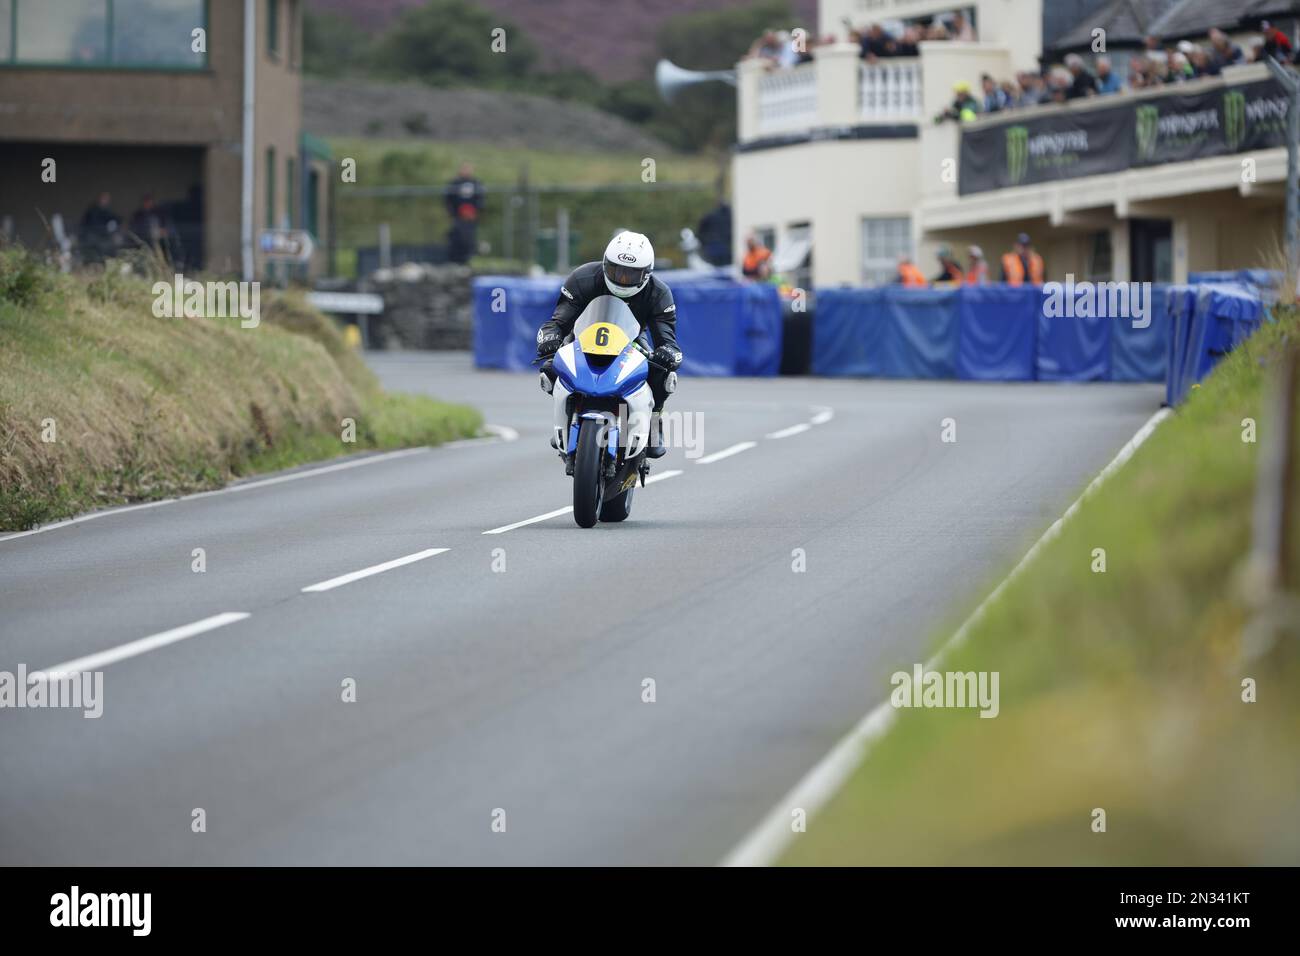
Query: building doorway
{"x":1151,"y":250}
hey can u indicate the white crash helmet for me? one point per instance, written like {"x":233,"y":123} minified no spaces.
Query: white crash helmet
{"x":629,"y":260}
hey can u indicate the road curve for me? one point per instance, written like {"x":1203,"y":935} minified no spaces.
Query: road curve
{"x":505,"y":671}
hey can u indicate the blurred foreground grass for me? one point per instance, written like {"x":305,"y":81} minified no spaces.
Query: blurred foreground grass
{"x":145,"y":407}
{"x":1119,"y":690}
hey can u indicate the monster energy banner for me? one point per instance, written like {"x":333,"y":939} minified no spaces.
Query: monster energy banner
{"x":1166,"y":129}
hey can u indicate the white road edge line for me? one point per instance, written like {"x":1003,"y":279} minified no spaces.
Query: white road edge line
{"x":823,"y":415}
{"x":792,"y":430}
{"x":763,"y":845}
{"x":229,"y":489}
{"x":564,"y":511}
{"x":726,"y":453}
{"x":343,"y":579}
{"x":92,"y":662}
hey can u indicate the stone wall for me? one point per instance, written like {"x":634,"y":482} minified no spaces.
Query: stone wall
{"x":425,"y":307}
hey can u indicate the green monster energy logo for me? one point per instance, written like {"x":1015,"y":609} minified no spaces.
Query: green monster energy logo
{"x":1148,"y":125}
{"x":1234,"y":119}
{"x":1017,"y":153}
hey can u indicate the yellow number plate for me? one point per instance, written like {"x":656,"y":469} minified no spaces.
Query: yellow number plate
{"x":603,"y":338}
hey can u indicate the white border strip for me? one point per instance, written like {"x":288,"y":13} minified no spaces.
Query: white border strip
{"x":764,"y":845}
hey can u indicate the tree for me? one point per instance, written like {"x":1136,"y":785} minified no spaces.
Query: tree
{"x":453,"y":43}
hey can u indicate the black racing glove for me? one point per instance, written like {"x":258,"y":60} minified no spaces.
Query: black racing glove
{"x":669,"y":356}
{"x":548,"y":342}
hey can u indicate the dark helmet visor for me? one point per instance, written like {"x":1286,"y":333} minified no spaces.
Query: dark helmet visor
{"x":629,"y":277}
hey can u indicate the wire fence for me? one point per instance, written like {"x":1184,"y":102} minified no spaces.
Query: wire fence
{"x":520,"y":226}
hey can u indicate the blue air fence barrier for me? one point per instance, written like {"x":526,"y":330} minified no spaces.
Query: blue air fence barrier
{"x":724,"y":328}
{"x":890,"y":332}
{"x":1207,"y":322}
{"x":998,"y":334}
{"x":986,"y":332}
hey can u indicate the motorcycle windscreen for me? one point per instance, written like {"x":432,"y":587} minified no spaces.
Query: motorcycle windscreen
{"x":605,"y":327}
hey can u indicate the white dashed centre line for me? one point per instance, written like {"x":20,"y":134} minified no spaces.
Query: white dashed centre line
{"x":374,"y":569}
{"x":726,"y":453}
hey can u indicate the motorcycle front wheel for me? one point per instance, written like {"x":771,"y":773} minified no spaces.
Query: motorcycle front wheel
{"x":588,"y":485}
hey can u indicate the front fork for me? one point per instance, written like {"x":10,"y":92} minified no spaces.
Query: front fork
{"x":633,"y":431}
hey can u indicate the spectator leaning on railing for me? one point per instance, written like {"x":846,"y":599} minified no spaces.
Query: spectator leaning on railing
{"x":1108,"y":81}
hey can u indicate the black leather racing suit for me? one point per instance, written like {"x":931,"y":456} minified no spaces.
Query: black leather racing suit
{"x":653,"y":307}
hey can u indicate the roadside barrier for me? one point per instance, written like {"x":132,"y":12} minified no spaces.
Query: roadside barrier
{"x":988,"y":333}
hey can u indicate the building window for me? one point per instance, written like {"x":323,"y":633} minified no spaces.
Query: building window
{"x":102,"y":33}
{"x":6,"y":30}
{"x":883,"y":241}
{"x":270,"y":187}
{"x":273,"y":27}
{"x":289,"y":191}
{"x":295,"y":34}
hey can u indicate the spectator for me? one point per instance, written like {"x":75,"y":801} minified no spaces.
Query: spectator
{"x":767,"y":47}
{"x":937,"y":31}
{"x":1224,"y":51}
{"x":1022,"y":262}
{"x":715,"y":234}
{"x":152,"y":227}
{"x":949,"y":269}
{"x":1108,"y":82}
{"x":1276,"y":43}
{"x":1203,"y":64}
{"x":1032,"y":89}
{"x":876,"y":43}
{"x":786,"y":56}
{"x":1012,"y":93}
{"x":1058,"y":85}
{"x":1082,"y":83}
{"x":464,"y":200}
{"x":964,"y":106}
{"x":977,"y":273}
{"x":757,"y":262}
{"x":995,"y":98}
{"x":961,"y":28}
{"x":1257,"y":50}
{"x":1180,"y":68}
{"x":99,"y":232}
{"x":908,"y":45}
{"x":909,"y":275}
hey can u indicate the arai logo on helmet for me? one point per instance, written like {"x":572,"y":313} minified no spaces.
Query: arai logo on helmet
{"x":627,"y":257}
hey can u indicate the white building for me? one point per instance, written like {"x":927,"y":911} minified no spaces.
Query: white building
{"x":849,"y":155}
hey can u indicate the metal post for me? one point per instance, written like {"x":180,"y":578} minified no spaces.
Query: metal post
{"x":562,"y":241}
{"x":385,"y":246}
{"x":1292,"y":86}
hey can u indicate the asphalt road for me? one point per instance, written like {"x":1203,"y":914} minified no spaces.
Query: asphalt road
{"x":480,"y":689}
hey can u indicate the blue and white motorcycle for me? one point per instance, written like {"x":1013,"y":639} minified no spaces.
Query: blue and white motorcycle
{"x":603,"y":410}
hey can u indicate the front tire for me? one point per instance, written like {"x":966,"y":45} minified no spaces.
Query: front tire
{"x":617,"y":508}
{"x":588,"y":485}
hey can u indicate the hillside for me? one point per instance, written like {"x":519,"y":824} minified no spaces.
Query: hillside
{"x":613,"y":39}
{"x":508,"y":120}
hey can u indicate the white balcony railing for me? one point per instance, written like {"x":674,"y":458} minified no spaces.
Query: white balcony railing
{"x":787,"y":100}
{"x":890,"y":90}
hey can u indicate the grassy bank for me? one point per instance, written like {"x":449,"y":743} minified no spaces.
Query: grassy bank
{"x":1120,"y":690}
{"x":103,"y":403}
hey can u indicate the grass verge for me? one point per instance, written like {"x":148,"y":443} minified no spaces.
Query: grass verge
{"x":102,"y":403}
{"x":1120,"y":690}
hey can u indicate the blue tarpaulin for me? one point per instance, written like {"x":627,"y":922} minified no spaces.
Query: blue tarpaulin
{"x":987,"y":332}
{"x":1206,"y":322}
{"x":997,"y":333}
{"x":724,"y":328}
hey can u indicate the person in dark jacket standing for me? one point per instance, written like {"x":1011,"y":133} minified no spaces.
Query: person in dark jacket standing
{"x":464,"y":199}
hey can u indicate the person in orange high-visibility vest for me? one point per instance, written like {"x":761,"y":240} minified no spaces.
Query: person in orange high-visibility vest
{"x":909,"y":275}
{"x":1022,"y":262}
{"x":949,"y":269}
{"x":977,"y":273}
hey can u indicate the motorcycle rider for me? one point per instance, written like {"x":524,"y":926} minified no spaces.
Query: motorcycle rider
{"x":625,"y":272}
